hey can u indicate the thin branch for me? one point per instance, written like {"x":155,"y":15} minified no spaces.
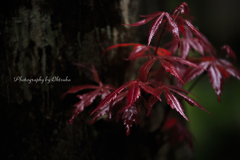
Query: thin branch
{"x":160,"y":37}
{"x":196,"y":81}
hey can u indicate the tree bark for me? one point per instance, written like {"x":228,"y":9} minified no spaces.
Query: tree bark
{"x":41,"y":39}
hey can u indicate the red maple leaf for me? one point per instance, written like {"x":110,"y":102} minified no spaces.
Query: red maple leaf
{"x":106,"y":110}
{"x":132,"y":91}
{"x":182,"y":8}
{"x":157,"y":23}
{"x":229,"y":51}
{"x":187,"y":43}
{"x":218,"y":71}
{"x":129,"y":116}
{"x":171,"y":99}
{"x":166,"y":63}
{"x":174,"y":21}
{"x":88,"y":98}
{"x":181,"y":22}
{"x":139,"y":49}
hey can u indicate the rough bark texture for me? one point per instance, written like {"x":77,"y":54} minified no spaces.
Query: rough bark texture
{"x":41,"y":39}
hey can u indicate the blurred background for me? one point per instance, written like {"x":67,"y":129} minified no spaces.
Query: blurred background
{"x":216,"y":137}
{"x":43,"y":38}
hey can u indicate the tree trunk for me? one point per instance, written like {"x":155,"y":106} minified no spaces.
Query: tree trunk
{"x":40,"y":40}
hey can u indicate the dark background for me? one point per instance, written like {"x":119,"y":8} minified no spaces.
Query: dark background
{"x":217,"y":137}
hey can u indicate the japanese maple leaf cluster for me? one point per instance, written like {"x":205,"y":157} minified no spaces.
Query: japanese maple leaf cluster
{"x":124,"y":103}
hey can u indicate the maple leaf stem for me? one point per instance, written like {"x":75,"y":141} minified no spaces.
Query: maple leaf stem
{"x":160,"y":37}
{"x":196,"y":81}
{"x":161,"y":34}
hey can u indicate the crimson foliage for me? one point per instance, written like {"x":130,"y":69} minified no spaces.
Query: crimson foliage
{"x":124,"y":102}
